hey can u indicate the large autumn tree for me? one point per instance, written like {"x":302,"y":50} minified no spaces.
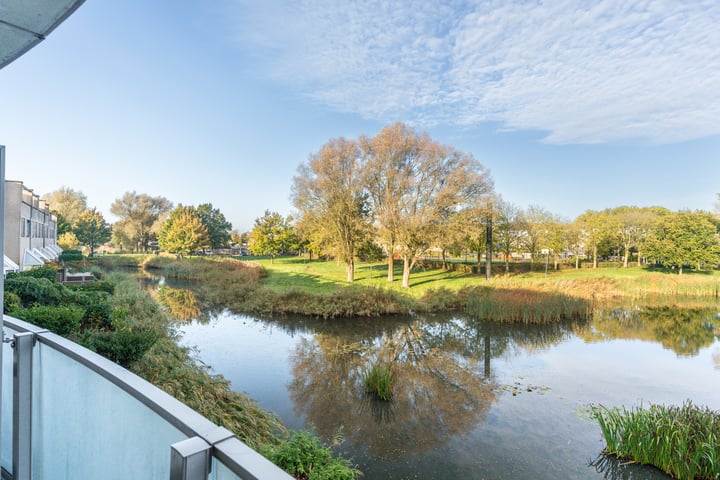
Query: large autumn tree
{"x":417,"y":184}
{"x":140,"y":218}
{"x":183,"y":232}
{"x":67,"y":204}
{"x":330,"y":195}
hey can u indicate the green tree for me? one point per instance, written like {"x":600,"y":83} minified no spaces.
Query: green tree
{"x":509,"y":230}
{"x":217,"y":226}
{"x":330,"y":195}
{"x":271,"y":235}
{"x":183,"y":232}
{"x":597,"y":227}
{"x":536,"y":221}
{"x":684,"y":238}
{"x":92,"y":230}
{"x":67,"y":204}
{"x":140,"y":217}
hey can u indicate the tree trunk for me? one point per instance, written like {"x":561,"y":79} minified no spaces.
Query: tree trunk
{"x":406,"y":272}
{"x":479,"y":256}
{"x":680,"y":270}
{"x":555,"y":262}
{"x":595,"y":262}
{"x":627,"y":255}
{"x":488,"y":248}
{"x":507,"y":263}
{"x":350,"y":270}
{"x":444,"y":260}
{"x":638,"y":254}
{"x":390,"y":266}
{"x":577,"y":260}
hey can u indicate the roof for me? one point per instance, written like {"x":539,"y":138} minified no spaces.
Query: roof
{"x":24,"y":24}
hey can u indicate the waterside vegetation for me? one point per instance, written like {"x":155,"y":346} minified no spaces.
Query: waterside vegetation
{"x":295,"y":285}
{"x":682,"y":441}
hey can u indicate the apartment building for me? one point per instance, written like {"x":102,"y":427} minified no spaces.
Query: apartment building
{"x":30,"y":227}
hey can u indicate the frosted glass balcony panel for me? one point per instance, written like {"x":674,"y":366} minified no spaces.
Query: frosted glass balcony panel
{"x":7,"y":402}
{"x":87,"y":427}
{"x":222,"y":472}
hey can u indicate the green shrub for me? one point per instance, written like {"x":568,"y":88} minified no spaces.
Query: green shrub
{"x":33,"y":290}
{"x":37,"y":272}
{"x":63,"y":320}
{"x":96,"y":286}
{"x":124,"y":347}
{"x":304,"y":456}
{"x":11,"y":302}
{"x":71,"y":256}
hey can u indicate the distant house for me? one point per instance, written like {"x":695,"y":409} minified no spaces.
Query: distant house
{"x":30,"y":228}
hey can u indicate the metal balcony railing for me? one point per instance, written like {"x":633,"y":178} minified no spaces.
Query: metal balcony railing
{"x":68,"y":413}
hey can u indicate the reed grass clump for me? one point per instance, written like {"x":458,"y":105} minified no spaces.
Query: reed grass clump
{"x":379,"y":380}
{"x":682,"y":441}
{"x":523,"y":305}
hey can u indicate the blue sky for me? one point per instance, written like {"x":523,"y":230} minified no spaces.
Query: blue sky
{"x":571,"y":105}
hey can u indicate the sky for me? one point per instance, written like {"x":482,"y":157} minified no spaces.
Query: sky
{"x":571,"y":105}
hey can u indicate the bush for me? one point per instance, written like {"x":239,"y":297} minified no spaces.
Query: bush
{"x":304,"y":456}
{"x":97,"y":286}
{"x":37,"y":272}
{"x":33,"y":290}
{"x":11,"y":302}
{"x":71,"y":256}
{"x":124,"y":347}
{"x":64,"y":320}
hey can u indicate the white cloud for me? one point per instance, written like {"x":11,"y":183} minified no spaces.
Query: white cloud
{"x":585,"y":72}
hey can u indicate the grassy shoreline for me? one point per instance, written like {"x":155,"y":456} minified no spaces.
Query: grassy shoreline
{"x":294,"y":285}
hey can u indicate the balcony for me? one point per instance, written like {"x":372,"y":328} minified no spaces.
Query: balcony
{"x":68,"y":413}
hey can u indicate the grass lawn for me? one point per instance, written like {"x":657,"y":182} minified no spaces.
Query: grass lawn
{"x":320,"y":276}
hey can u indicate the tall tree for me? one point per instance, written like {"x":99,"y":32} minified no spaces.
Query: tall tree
{"x":389,"y":156}
{"x":536,"y":221}
{"x":140,"y":216}
{"x":597,"y":227}
{"x":217,"y":226}
{"x":330,"y":195}
{"x":416,"y":184}
{"x":66,"y":203}
{"x":509,"y":230}
{"x":685,"y":238}
{"x":183,"y":232}
{"x":92,"y":230}
{"x":271,"y":235}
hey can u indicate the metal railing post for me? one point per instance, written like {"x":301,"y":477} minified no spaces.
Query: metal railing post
{"x":190,"y":459}
{"x":22,"y":405}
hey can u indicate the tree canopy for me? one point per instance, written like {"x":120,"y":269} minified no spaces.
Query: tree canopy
{"x":67,"y":204}
{"x":140,"y":218}
{"x":92,"y":230}
{"x":218,"y":227}
{"x":272,"y":235}
{"x":330,"y":195}
{"x":183,"y":232}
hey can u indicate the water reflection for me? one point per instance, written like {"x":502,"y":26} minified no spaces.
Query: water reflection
{"x":683,"y":330}
{"x":444,"y":378}
{"x":614,"y":468}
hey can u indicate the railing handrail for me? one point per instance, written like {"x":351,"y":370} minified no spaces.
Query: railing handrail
{"x":237,"y":456}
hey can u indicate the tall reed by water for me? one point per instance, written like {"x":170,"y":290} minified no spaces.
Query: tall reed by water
{"x":523,"y":305}
{"x":682,"y":441}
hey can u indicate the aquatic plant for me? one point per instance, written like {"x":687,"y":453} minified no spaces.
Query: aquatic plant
{"x":523,"y":305}
{"x":682,"y":441}
{"x":379,"y":380}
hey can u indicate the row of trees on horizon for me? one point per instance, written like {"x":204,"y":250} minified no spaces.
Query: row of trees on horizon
{"x":399,"y":193}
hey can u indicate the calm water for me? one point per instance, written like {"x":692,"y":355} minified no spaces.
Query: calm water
{"x":473,"y":399}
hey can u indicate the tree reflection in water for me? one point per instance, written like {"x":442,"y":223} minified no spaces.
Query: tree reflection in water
{"x":684,"y":330}
{"x":444,"y":383}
